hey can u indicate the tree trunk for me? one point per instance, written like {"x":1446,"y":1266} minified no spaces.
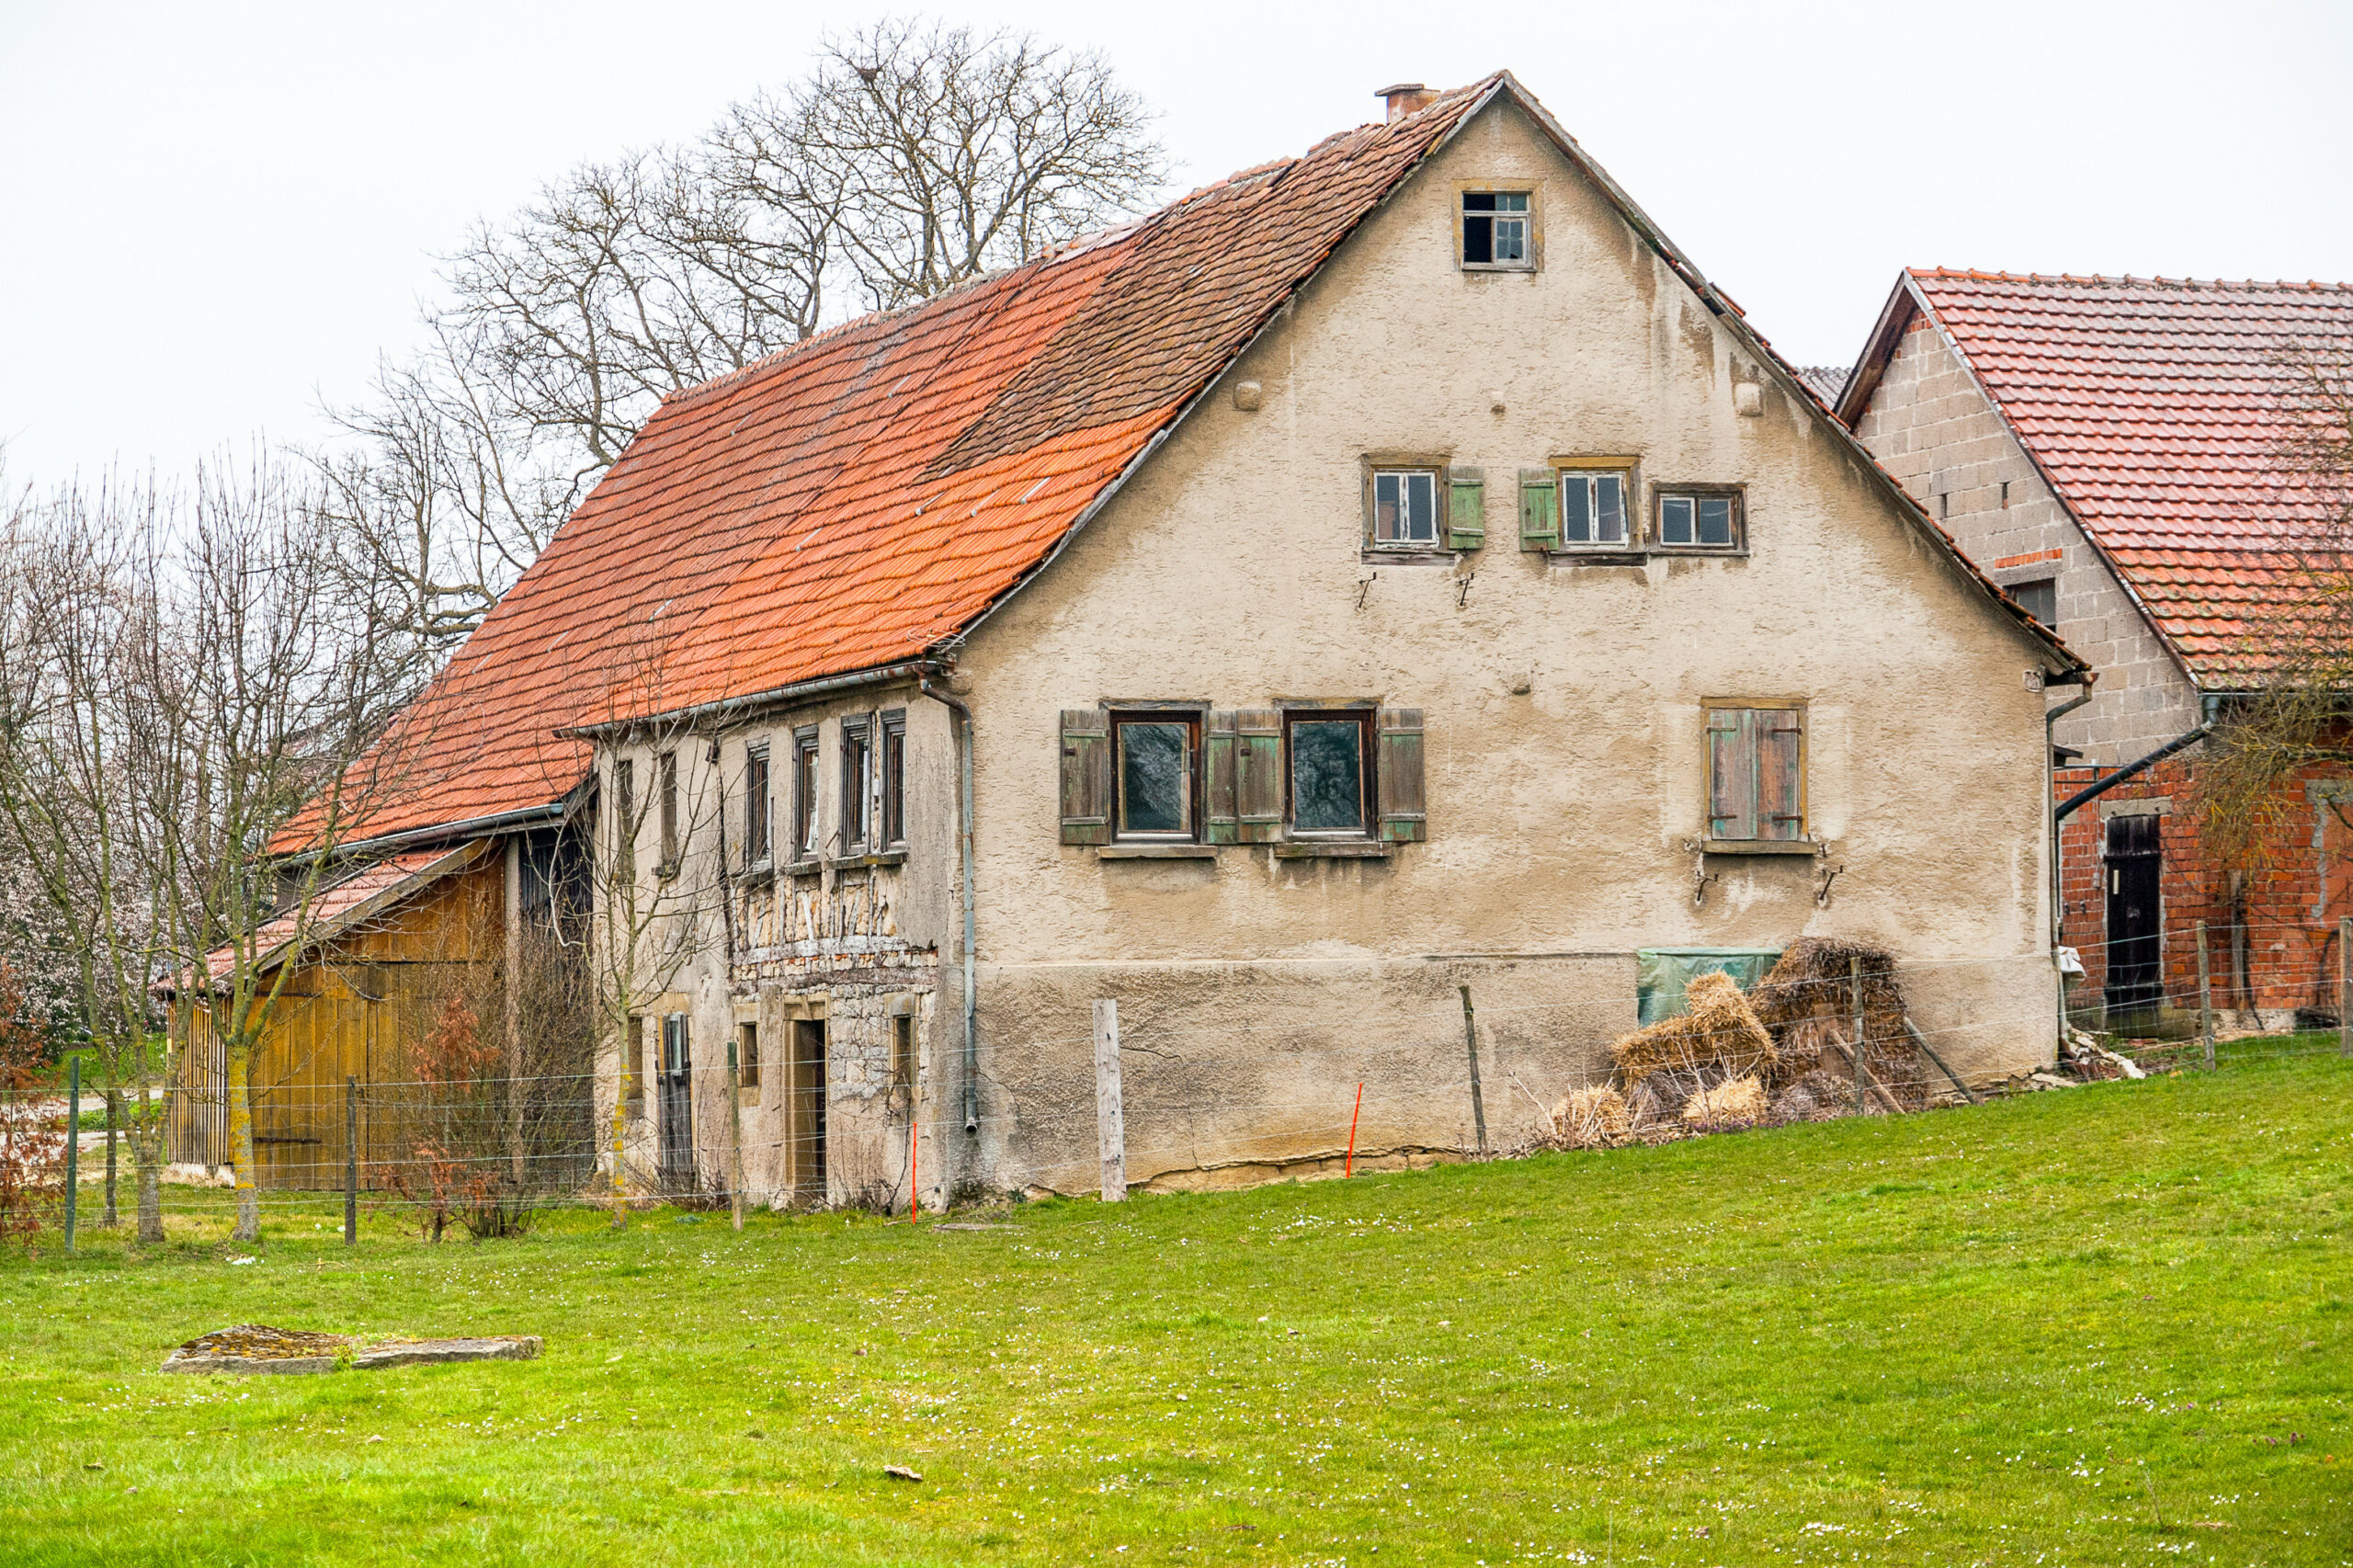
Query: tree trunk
{"x":240,"y":1057}
{"x":114,"y":1124}
{"x":151,"y":1201}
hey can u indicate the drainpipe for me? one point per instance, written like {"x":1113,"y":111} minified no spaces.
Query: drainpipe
{"x":2050,"y":717}
{"x":2099,"y":787}
{"x":964,"y":847}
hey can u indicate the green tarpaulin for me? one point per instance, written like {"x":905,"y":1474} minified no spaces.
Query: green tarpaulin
{"x":1661,"y":973}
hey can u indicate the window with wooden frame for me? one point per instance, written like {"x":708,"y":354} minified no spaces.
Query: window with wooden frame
{"x":1593,"y":509}
{"x":1404,"y":508}
{"x":633,"y":1068}
{"x":1155,"y":775}
{"x":625,"y":816}
{"x":666,"y":769}
{"x":2038,"y":598}
{"x":902,"y":1057}
{"x":805,"y":794}
{"x":758,"y":810}
{"x":743,"y":1055}
{"x":1497,"y":233}
{"x":894,"y":782}
{"x":1328,"y":787}
{"x":1755,"y":772}
{"x":857,"y":761}
{"x":1698,"y":519}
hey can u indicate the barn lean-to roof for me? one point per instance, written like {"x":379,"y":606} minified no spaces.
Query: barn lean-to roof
{"x":860,"y":501}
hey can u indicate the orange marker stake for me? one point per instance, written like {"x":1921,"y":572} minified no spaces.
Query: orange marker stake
{"x":915,"y":1141}
{"x":1351,"y":1167}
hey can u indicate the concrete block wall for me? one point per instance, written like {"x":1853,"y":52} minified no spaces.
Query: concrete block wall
{"x":1931,"y":426}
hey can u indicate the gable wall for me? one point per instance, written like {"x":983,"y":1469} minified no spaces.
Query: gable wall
{"x":1229,"y":571}
{"x":1930,"y":424}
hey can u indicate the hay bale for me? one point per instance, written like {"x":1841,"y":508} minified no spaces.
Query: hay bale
{"x":1720,"y":1030}
{"x":1644,"y":1107}
{"x":1592,"y":1118}
{"x":1806,"y":1004}
{"x":1740,"y":1103}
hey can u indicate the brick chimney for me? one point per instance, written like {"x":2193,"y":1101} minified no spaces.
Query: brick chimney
{"x":1404,"y":98}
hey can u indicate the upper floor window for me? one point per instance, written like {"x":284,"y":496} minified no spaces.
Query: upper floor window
{"x":665,"y":769}
{"x":1593,"y":509}
{"x":2038,"y":598}
{"x":894,"y":778}
{"x":1328,"y":786}
{"x":1708,"y":519}
{"x":805,"y":794}
{"x":1404,"y":508}
{"x":1494,"y":229}
{"x":756,"y":810}
{"x":1153,"y":774}
{"x":858,"y":754}
{"x":1756,"y":771}
{"x":625,"y":815}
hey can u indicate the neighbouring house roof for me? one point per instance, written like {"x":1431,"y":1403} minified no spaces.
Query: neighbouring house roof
{"x":860,"y":501}
{"x":1824,"y":381}
{"x":349,"y":903}
{"x":2153,"y":407}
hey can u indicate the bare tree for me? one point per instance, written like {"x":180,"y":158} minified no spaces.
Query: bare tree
{"x":912,"y":157}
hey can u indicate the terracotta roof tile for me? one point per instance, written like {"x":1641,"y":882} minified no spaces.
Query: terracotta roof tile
{"x":2154,"y":405}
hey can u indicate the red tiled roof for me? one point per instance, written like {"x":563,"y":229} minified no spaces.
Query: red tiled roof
{"x":356,"y":898}
{"x":2154,"y":406}
{"x":862,"y":497}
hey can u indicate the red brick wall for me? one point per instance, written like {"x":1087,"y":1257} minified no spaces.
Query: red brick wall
{"x":2291,"y":892}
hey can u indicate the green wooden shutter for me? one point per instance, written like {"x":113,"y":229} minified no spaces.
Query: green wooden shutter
{"x":1405,"y":817}
{"x":1224,"y":825}
{"x":1732,"y":773}
{"x":1258,"y":773}
{"x":1466,"y":515}
{"x":1540,"y":509}
{"x":1781,"y":773}
{"x":1086,"y":776}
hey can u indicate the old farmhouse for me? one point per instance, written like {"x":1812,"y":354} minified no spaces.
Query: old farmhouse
{"x":2106,"y":449}
{"x":1386,"y":572}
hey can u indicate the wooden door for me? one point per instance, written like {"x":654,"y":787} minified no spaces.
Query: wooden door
{"x":2135,"y":863}
{"x":678,"y":1105}
{"x":808,"y":1111}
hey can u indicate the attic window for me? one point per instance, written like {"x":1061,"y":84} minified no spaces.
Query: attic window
{"x":1703,"y":520}
{"x":1593,"y":509}
{"x":1494,"y":230}
{"x":2038,"y":598}
{"x":1405,"y":509}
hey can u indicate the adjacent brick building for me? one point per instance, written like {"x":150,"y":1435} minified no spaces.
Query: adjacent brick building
{"x":2103,"y":448}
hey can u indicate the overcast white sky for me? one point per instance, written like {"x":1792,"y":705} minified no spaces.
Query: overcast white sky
{"x":212,"y":216}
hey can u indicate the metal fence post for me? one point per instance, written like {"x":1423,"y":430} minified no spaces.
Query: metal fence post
{"x":1471,"y":1045}
{"x":350,"y":1162}
{"x":2205,"y":999}
{"x":1855,"y":986}
{"x":73,"y":1143}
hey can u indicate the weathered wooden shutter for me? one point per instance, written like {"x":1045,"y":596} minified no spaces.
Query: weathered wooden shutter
{"x":1258,"y":773}
{"x":1224,"y":825}
{"x":1405,"y":817}
{"x":1732,"y":773}
{"x":1466,"y":514}
{"x":1540,"y":509}
{"x":1086,"y":776}
{"x":1781,"y":773}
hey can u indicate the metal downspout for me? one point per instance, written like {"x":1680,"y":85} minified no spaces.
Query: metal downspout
{"x":2051,"y":717}
{"x":964,"y":846}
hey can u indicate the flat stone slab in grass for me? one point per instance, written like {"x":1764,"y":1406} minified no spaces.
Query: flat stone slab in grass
{"x":253,"y":1348}
{"x":420,"y":1352}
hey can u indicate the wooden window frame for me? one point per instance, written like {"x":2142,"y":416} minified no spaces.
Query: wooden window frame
{"x":1662,"y":494}
{"x":625,"y":815}
{"x":891,"y":780}
{"x":903,"y":1058}
{"x":666,"y":772}
{"x":807,"y":819}
{"x":1565,"y":470}
{"x":1366,"y":717}
{"x":857,"y":792}
{"x":1531,"y":261}
{"x":743,"y":1053}
{"x":1118,"y":716}
{"x":633,"y":1068}
{"x":1436,"y":470}
{"x":1801,"y":842}
{"x":759,"y":807}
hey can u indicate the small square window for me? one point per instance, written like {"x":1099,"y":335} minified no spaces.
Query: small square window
{"x":2038,"y":598}
{"x":1154,"y":769}
{"x":1708,"y":520}
{"x":1593,"y":509}
{"x":1494,"y":229}
{"x":1404,"y":508}
{"x":1331,"y":776}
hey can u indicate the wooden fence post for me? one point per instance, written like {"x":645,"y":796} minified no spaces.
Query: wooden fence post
{"x":2343,"y":986}
{"x":2205,"y":1000}
{"x":1111,"y":1123}
{"x":350,"y":1161}
{"x":1855,"y":987}
{"x":735,"y":1128}
{"x":73,"y":1143}
{"x":632,"y":1061}
{"x":1471,"y":1045}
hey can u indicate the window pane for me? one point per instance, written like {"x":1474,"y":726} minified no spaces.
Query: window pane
{"x":2039,"y":600}
{"x":1514,"y":201}
{"x":1153,"y":790}
{"x":1479,"y":201}
{"x":1576,"y":509}
{"x":1610,"y":508}
{"x":1384,"y":505}
{"x":1715,"y":519}
{"x":1421,"y":519}
{"x":1675,"y":520}
{"x":1511,"y":239}
{"x":1327,"y":776}
{"x":1478,"y":239}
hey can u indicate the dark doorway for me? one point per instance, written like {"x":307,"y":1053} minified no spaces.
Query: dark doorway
{"x":809,"y":1111}
{"x":678,"y":1106}
{"x":2136,"y":984}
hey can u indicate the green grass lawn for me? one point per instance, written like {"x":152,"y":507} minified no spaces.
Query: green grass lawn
{"x":2107,"y":1326}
